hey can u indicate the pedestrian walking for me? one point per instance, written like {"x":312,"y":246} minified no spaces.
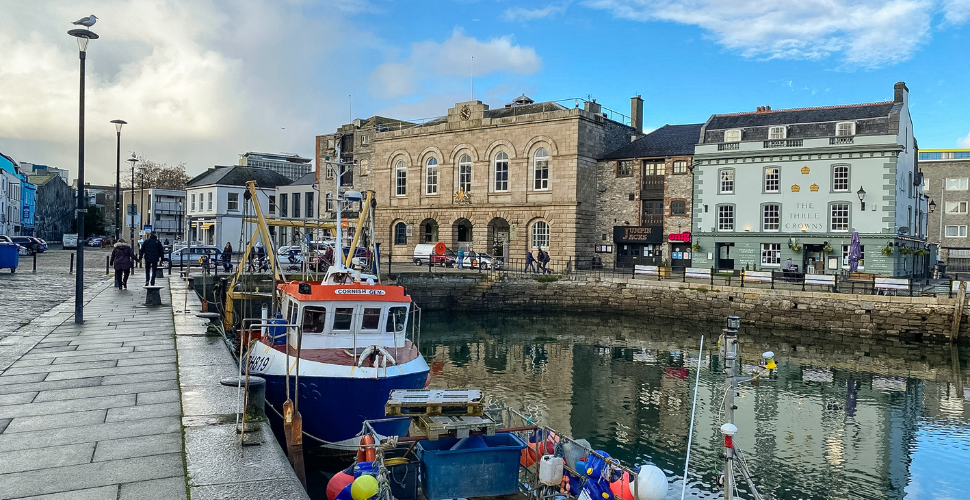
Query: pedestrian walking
{"x":530,"y":261}
{"x":123,"y":259}
{"x":544,"y":262}
{"x":540,"y":261}
{"x":461,"y":258}
{"x":166,"y":242}
{"x":227,"y":257}
{"x":151,"y":253}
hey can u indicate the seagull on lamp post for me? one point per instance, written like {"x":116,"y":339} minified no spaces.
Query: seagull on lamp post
{"x":86,"y":21}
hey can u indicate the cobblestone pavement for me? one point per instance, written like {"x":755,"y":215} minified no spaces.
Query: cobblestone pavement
{"x":25,"y":294}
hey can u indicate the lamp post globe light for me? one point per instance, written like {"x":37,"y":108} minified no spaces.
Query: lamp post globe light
{"x":131,"y":214}
{"x":118,"y":124}
{"x":83,"y":36}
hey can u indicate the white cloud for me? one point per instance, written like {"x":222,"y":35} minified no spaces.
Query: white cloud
{"x":431,"y":60}
{"x":867,"y":33}
{"x":965,"y":141}
{"x":523,"y":14}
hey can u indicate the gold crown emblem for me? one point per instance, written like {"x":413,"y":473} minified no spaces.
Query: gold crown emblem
{"x":806,"y":170}
{"x":795,"y":188}
{"x":814,"y":188}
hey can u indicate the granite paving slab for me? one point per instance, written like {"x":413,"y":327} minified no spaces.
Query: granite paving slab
{"x":171,"y":409}
{"x":48,"y":385}
{"x":169,"y":488}
{"x":102,"y":493}
{"x":59,"y":420}
{"x":91,"y":475}
{"x":140,"y":446}
{"x":113,"y":370}
{"x":43,"y":458}
{"x":92,"y":433}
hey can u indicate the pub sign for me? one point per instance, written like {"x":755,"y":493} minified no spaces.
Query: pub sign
{"x":638,"y":234}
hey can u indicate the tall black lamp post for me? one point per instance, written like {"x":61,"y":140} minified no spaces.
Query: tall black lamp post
{"x":83,"y":36}
{"x":131,"y":231}
{"x":118,"y":124}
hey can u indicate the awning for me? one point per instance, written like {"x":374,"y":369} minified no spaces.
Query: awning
{"x":207,"y":225}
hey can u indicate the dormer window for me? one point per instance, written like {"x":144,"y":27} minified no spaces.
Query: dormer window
{"x":845,"y":129}
{"x":732,"y":135}
{"x":776,"y":133}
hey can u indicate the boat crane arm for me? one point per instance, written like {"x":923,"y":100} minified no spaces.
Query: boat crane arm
{"x":360,"y":224}
{"x":261,"y":229}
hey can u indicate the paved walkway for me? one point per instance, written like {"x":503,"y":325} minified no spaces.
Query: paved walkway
{"x":93,"y":411}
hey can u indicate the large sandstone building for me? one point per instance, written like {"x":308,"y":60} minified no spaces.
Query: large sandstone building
{"x":502,"y":181}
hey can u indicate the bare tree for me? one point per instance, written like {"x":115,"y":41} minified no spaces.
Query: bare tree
{"x":151,"y":174}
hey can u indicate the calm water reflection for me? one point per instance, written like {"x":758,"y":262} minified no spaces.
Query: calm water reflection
{"x":839,"y":419}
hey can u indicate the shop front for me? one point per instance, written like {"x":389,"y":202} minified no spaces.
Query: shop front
{"x":638,"y":245}
{"x":680,"y":249}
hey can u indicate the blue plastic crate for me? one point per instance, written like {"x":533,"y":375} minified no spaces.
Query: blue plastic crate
{"x":481,"y":469}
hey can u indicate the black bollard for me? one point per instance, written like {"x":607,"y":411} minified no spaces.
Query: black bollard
{"x":72,"y":264}
{"x":107,"y":265}
{"x":35,"y":262}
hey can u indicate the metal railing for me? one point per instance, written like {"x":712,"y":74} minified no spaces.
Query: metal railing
{"x":729,"y":146}
{"x":783,"y":143}
{"x":841,"y":140}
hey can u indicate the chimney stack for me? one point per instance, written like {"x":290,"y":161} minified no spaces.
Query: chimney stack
{"x":593,"y":107}
{"x":636,"y":114}
{"x":900,"y":91}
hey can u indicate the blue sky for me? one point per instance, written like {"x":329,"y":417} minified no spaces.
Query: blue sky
{"x":203,"y":81}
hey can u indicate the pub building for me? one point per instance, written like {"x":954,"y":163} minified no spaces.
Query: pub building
{"x":773,"y":185}
{"x":645,"y":199}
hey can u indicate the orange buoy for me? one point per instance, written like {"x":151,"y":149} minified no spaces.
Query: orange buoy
{"x":338,"y":482}
{"x":529,"y":454}
{"x":366,"y":452}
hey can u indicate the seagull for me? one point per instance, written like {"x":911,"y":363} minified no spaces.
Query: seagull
{"x":86,"y":21}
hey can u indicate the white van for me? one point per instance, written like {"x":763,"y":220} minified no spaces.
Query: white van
{"x":425,"y":251}
{"x":70,"y":241}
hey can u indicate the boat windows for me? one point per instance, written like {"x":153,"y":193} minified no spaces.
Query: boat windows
{"x":396,"y":318}
{"x":371,"y":319}
{"x":314,"y":319}
{"x":343,"y":316}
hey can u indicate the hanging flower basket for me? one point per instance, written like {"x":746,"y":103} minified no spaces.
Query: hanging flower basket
{"x":906,"y":250}
{"x":696,"y":247}
{"x":795,"y":247}
{"x":827,"y":249}
{"x":888,"y":250}
{"x":921,"y":252}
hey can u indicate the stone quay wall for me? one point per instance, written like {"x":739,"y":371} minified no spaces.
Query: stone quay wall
{"x":876,"y":317}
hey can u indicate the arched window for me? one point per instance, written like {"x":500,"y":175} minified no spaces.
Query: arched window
{"x":541,"y":169}
{"x":502,"y":171}
{"x":465,"y":173}
{"x":329,"y":206}
{"x":540,"y":235}
{"x":401,"y":178}
{"x":431,"y":177}
{"x":400,"y":233}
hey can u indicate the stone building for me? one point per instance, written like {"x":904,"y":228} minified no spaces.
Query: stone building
{"x":356,"y":143}
{"x":645,"y":200}
{"x":945,"y":174}
{"x":502,"y":181}
{"x":773,"y":185}
{"x":55,"y":207}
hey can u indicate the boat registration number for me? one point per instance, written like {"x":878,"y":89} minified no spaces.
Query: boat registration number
{"x":258,"y":363}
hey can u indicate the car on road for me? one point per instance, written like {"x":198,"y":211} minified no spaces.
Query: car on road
{"x":33,"y":245}
{"x":190,"y":256}
{"x":423,"y":252}
{"x":484,"y":261}
{"x":94,"y":241}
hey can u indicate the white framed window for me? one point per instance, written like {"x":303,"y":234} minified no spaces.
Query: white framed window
{"x":400,"y":179}
{"x":840,"y":178}
{"x":725,"y":218}
{"x":540,"y":169}
{"x":956,"y":207}
{"x":431,"y":177}
{"x":732,"y":135}
{"x":501,"y":170}
{"x":328,"y":204}
{"x":654,"y":168}
{"x":845,"y":257}
{"x":770,"y":217}
{"x":680,"y":167}
{"x":839,"y":217}
{"x":956,"y":184}
{"x":955,"y":231}
{"x":771,"y":254}
{"x":331,"y":171}
{"x":233,"y":202}
{"x":193,"y":203}
{"x":726,"y":184}
{"x":272,"y":204}
{"x":465,"y":173}
{"x":845,"y":128}
{"x":209,"y":202}
{"x":364,"y":140}
{"x":540,"y":235}
{"x":400,"y":233}
{"x":776,"y":133}
{"x":772,"y":180}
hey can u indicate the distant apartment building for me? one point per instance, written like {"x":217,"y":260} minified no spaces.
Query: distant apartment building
{"x":291,"y":166}
{"x":945,"y":182}
{"x":161,"y":210}
{"x":37,"y":169}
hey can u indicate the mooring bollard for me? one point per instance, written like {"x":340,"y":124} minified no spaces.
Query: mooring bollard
{"x":107,"y":265}
{"x":256,"y":398}
{"x":72,"y":264}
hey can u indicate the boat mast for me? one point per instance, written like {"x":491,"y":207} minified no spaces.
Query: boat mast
{"x":729,"y":353}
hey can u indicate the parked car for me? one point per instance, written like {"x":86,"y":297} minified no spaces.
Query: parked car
{"x":482,"y":261}
{"x":423,"y":252}
{"x":190,"y":256}
{"x":93,"y":241}
{"x":33,"y":245}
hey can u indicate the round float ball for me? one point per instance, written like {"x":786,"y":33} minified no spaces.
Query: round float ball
{"x":337,"y":483}
{"x":528,"y":455}
{"x":651,"y":483}
{"x":363,"y":487}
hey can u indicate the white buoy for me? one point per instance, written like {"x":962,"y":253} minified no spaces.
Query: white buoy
{"x":651,"y":483}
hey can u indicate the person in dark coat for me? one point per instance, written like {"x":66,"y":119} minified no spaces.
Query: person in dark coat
{"x":123,"y":259}
{"x":227,"y":257}
{"x":540,"y":261}
{"x":151,"y":252}
{"x":530,"y":261}
{"x":544,"y":261}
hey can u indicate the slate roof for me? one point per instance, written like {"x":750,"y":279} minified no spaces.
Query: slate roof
{"x":800,"y":115}
{"x":237,"y":175}
{"x":307,"y":180}
{"x":41,"y":179}
{"x":669,"y":140}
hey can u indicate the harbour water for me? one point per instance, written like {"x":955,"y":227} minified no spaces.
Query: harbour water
{"x":838,"y":419}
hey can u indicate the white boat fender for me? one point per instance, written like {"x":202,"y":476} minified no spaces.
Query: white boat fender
{"x":372,"y":349}
{"x":651,"y":483}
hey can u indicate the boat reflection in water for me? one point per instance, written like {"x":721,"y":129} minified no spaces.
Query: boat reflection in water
{"x":838,"y":418}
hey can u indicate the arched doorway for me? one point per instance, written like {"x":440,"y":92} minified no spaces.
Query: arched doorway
{"x":462,"y":229}
{"x":429,"y":231}
{"x":498,"y":238}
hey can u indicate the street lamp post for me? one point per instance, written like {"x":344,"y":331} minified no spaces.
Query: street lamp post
{"x":131,"y":228}
{"x":118,"y":124}
{"x":83,"y":36}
